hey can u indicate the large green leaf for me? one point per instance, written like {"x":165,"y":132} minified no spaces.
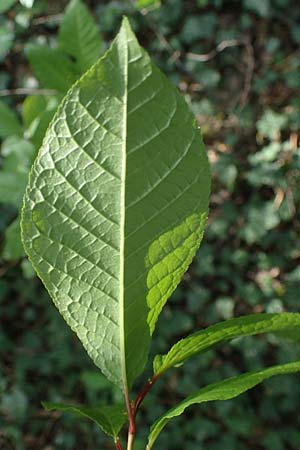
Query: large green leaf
{"x":116,"y":205}
{"x":287,"y":323}
{"x":51,"y":67}
{"x":109,"y":418}
{"x":224,"y":390}
{"x":79,"y":36}
{"x":9,"y":122}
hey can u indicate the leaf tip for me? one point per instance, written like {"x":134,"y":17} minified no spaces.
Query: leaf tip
{"x":126,"y":26}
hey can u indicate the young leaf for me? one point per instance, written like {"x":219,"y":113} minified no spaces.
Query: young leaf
{"x":9,"y":123}
{"x":51,"y":67}
{"x":223,"y":390}
{"x":109,"y":418}
{"x":79,"y":36}
{"x":285,"y":323}
{"x":116,"y":205}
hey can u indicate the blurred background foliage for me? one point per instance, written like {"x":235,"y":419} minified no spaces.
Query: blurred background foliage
{"x":237,"y":64}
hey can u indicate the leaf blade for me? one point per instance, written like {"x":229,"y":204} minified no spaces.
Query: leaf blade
{"x":93,"y":214}
{"x":225,"y":331}
{"x":224,"y":390}
{"x":109,"y":418}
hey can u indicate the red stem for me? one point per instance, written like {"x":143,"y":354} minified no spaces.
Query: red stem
{"x":118,"y":444}
{"x":143,"y":393}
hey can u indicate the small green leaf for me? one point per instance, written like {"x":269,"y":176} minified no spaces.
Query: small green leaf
{"x":147,"y":4}
{"x":116,"y":205}
{"x":9,"y":122}
{"x":79,"y":35}
{"x":284,"y":323}
{"x":109,"y":418}
{"x":223,"y":390}
{"x":52,"y":67}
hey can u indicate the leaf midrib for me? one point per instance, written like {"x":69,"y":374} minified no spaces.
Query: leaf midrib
{"x":122,"y":223}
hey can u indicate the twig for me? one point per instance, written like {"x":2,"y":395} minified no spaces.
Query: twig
{"x":44,"y":19}
{"x":213,"y":53}
{"x":26,"y":91}
{"x":250,"y":61}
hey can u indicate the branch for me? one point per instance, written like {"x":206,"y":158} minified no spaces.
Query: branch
{"x":213,"y":53}
{"x":45,"y":19}
{"x":26,"y":91}
{"x":250,"y":66}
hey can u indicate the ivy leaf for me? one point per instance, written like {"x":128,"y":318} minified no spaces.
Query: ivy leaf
{"x":9,"y":122}
{"x":52,"y":67}
{"x":223,"y":390}
{"x":116,"y":205}
{"x":109,"y":418}
{"x":79,"y":35}
{"x":284,"y":323}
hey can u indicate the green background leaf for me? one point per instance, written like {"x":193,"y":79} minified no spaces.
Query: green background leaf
{"x":52,"y":67}
{"x":116,"y":205}
{"x":79,"y":35}
{"x":9,"y":122}
{"x":147,"y":4}
{"x":18,"y":156}
{"x":13,"y":248}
